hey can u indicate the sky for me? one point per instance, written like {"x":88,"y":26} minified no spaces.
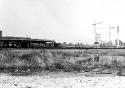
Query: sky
{"x":62,"y":20}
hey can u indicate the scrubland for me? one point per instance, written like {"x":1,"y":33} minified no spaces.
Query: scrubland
{"x":30,"y":62}
{"x":62,"y":68}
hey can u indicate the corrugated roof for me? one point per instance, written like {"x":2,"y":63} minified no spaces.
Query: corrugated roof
{"x":22,"y":38}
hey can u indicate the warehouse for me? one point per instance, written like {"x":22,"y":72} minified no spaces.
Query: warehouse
{"x":24,"y":42}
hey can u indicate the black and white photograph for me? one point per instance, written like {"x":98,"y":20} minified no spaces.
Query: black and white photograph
{"x":62,"y":43}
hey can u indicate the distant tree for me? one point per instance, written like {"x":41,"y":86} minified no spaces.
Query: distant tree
{"x":64,"y":44}
{"x":70,"y":44}
{"x":121,"y":43}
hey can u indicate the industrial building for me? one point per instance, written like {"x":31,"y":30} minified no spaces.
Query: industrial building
{"x":24,"y":42}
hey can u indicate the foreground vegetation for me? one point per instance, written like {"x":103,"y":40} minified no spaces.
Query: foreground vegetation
{"x":29,"y":62}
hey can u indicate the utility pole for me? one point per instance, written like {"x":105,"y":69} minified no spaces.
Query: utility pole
{"x":95,"y":32}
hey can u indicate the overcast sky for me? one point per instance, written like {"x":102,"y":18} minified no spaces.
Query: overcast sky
{"x":62,"y":20}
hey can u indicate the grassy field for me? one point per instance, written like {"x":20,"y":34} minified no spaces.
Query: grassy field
{"x":26,"y":62}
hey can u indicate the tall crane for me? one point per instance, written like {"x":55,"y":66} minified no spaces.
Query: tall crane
{"x":117,"y":39}
{"x":117,"y":36}
{"x":110,"y":27}
{"x":95,"y":32}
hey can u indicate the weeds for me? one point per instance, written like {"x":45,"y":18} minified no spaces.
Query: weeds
{"x":31,"y":61}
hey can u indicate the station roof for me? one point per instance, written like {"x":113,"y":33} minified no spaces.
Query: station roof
{"x":23,"y":38}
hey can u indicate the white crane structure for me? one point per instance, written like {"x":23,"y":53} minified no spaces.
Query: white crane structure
{"x":110,"y":27}
{"x":117,"y":36}
{"x":96,"y":36}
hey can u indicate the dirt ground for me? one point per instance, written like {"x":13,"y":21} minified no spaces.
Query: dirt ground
{"x":62,"y":80}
